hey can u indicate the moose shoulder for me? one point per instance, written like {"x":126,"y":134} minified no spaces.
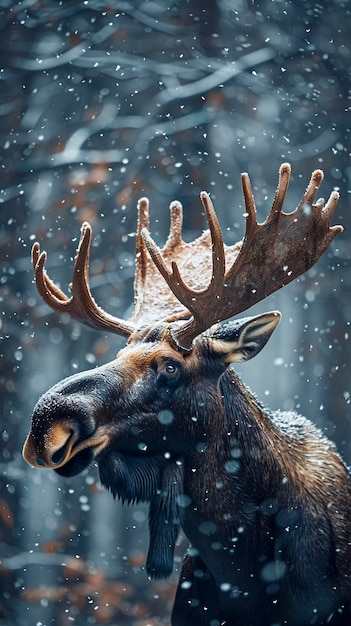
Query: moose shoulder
{"x":263,"y":498}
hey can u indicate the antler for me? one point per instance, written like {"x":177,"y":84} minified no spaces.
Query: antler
{"x":81,"y":305}
{"x":272,"y":254}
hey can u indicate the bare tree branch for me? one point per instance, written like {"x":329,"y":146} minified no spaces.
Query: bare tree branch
{"x":219,"y":76}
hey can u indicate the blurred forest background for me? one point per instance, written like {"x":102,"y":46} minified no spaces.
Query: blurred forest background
{"x":101,"y":103}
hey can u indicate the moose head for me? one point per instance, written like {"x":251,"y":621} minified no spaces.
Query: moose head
{"x":169,"y":422}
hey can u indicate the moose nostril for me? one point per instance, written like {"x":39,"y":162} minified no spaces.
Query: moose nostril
{"x":59,"y":456}
{"x":40,"y":462}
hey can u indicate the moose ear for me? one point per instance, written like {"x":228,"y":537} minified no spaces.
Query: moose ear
{"x":240,"y":340}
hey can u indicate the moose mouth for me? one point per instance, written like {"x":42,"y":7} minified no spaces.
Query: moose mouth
{"x":75,"y":456}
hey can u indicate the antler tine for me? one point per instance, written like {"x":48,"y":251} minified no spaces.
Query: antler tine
{"x":251,"y":222}
{"x":312,"y":188}
{"x":81,"y":305}
{"x":272,"y":254}
{"x":47,"y":289}
{"x":175,"y":230}
{"x":143,"y":222}
{"x":329,"y":208}
{"x":280,"y":194}
{"x":218,"y":257}
{"x":141,"y":252}
{"x":251,"y":225}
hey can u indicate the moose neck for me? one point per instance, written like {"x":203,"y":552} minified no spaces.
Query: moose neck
{"x":230,"y":473}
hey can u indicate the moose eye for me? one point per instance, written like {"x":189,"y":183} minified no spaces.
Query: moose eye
{"x":170,"y":369}
{"x":167,"y":371}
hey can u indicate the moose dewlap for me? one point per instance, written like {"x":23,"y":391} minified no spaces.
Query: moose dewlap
{"x":264,"y":498}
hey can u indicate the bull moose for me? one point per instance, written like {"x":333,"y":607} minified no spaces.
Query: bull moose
{"x":263,"y":497}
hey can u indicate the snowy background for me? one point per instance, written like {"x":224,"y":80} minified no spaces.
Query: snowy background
{"x":104,"y":102}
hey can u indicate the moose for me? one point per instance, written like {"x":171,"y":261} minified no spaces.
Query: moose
{"x":263,"y":497}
